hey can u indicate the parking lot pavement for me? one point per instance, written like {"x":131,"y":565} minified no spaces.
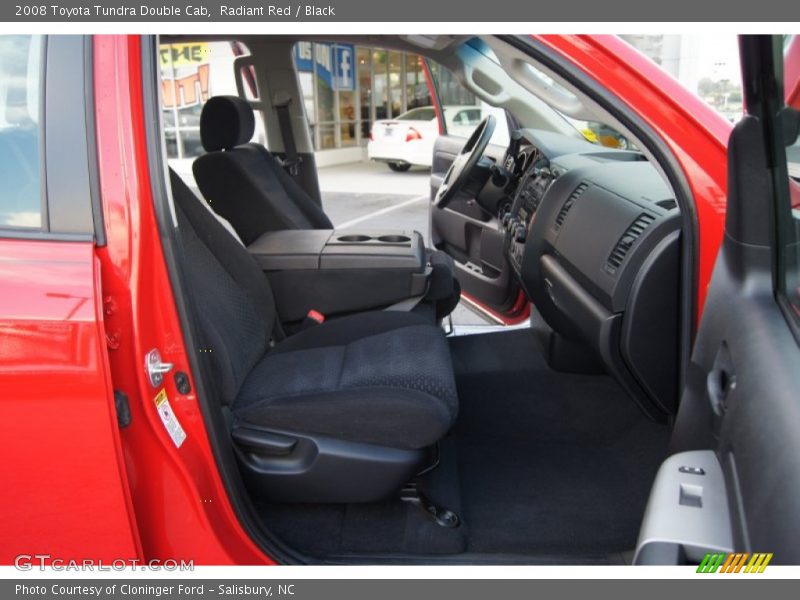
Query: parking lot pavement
{"x":371,"y":196}
{"x":377,"y":211}
{"x":371,"y":177}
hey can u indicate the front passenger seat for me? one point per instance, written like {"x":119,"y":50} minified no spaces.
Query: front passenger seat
{"x":345,"y":411}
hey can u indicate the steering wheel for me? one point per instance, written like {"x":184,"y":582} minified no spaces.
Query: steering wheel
{"x":458,"y":173}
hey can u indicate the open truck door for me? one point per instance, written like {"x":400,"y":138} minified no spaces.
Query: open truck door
{"x":732,"y":482}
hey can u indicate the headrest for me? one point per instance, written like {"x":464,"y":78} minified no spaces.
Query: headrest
{"x":226,"y":121}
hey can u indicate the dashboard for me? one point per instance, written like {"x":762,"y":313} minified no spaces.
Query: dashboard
{"x":593,"y":238}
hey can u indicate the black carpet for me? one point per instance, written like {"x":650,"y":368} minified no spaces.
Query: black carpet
{"x":394,"y":527}
{"x":540,"y":463}
{"x":550,"y":463}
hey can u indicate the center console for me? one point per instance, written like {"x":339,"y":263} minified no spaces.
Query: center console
{"x":341,"y":271}
{"x":517,"y":220}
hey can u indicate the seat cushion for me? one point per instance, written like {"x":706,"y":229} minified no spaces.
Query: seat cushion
{"x":379,"y":378}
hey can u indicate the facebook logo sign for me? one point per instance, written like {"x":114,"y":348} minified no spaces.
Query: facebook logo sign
{"x":344,"y":67}
{"x":335,"y":64}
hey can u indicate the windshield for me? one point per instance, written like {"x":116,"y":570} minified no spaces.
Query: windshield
{"x":592,"y":131}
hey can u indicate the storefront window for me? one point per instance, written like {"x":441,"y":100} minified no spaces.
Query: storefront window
{"x":347,"y":116}
{"x":417,"y":92}
{"x":346,"y":88}
{"x":380,"y":88}
{"x":365,"y":90}
{"x":327,"y":136}
{"x":396,"y":83}
{"x":324,"y":78}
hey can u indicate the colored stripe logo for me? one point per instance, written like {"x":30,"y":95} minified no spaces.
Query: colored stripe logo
{"x":737,"y":562}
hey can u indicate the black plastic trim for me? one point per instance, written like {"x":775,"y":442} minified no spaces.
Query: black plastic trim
{"x":664,"y":156}
{"x":44,"y":224}
{"x":219,"y":434}
{"x":65,"y":132}
{"x":91,"y":142}
{"x":45,"y":236}
{"x":285,"y":466}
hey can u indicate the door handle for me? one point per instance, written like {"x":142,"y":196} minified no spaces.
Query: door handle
{"x":721,"y":380}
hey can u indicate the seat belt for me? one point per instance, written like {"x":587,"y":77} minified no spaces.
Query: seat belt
{"x":291,"y":161}
{"x":406,"y":305}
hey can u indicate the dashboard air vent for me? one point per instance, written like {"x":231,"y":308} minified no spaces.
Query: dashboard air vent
{"x":562,"y":214}
{"x":628,"y":239}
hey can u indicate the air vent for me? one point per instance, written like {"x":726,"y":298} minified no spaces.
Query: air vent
{"x":562,"y":214}
{"x":626,"y":242}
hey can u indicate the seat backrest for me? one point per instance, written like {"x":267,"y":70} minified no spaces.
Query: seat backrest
{"x":243,"y":182}
{"x":233,"y":303}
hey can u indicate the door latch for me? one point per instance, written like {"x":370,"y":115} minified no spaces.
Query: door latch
{"x":156,"y":368}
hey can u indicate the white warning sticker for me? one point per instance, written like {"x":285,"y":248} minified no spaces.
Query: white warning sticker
{"x":169,"y":419}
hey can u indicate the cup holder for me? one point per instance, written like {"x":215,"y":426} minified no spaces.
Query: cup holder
{"x":360,"y":238}
{"x":394,"y":239}
{"x":353,"y":238}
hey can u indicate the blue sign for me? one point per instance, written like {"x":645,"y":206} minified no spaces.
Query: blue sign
{"x":344,"y":64}
{"x":303,"y":58}
{"x":335,"y":63}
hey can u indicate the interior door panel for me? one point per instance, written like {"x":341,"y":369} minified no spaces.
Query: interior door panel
{"x":742,"y":396}
{"x":470,"y":235}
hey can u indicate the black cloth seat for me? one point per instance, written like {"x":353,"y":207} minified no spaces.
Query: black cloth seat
{"x":376,"y":378}
{"x":380,"y":381}
{"x":243,"y":182}
{"x":246,"y":185}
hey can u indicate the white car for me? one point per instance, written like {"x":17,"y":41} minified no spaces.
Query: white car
{"x":408,"y":139}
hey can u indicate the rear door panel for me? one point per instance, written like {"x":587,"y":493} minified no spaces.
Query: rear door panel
{"x":66,"y":493}
{"x":65,"y":487}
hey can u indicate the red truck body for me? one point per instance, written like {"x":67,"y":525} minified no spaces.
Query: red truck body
{"x":75,"y":317}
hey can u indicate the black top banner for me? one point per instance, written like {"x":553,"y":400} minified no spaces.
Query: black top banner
{"x":462,"y":11}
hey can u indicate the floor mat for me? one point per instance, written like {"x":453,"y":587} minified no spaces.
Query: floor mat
{"x":549,"y":463}
{"x":540,"y":463}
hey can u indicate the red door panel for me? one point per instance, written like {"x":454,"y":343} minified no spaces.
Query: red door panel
{"x":64,"y":490}
{"x":181,"y":504}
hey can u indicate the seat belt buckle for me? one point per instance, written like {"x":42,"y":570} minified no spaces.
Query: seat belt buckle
{"x":316,"y":316}
{"x":312,"y":319}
